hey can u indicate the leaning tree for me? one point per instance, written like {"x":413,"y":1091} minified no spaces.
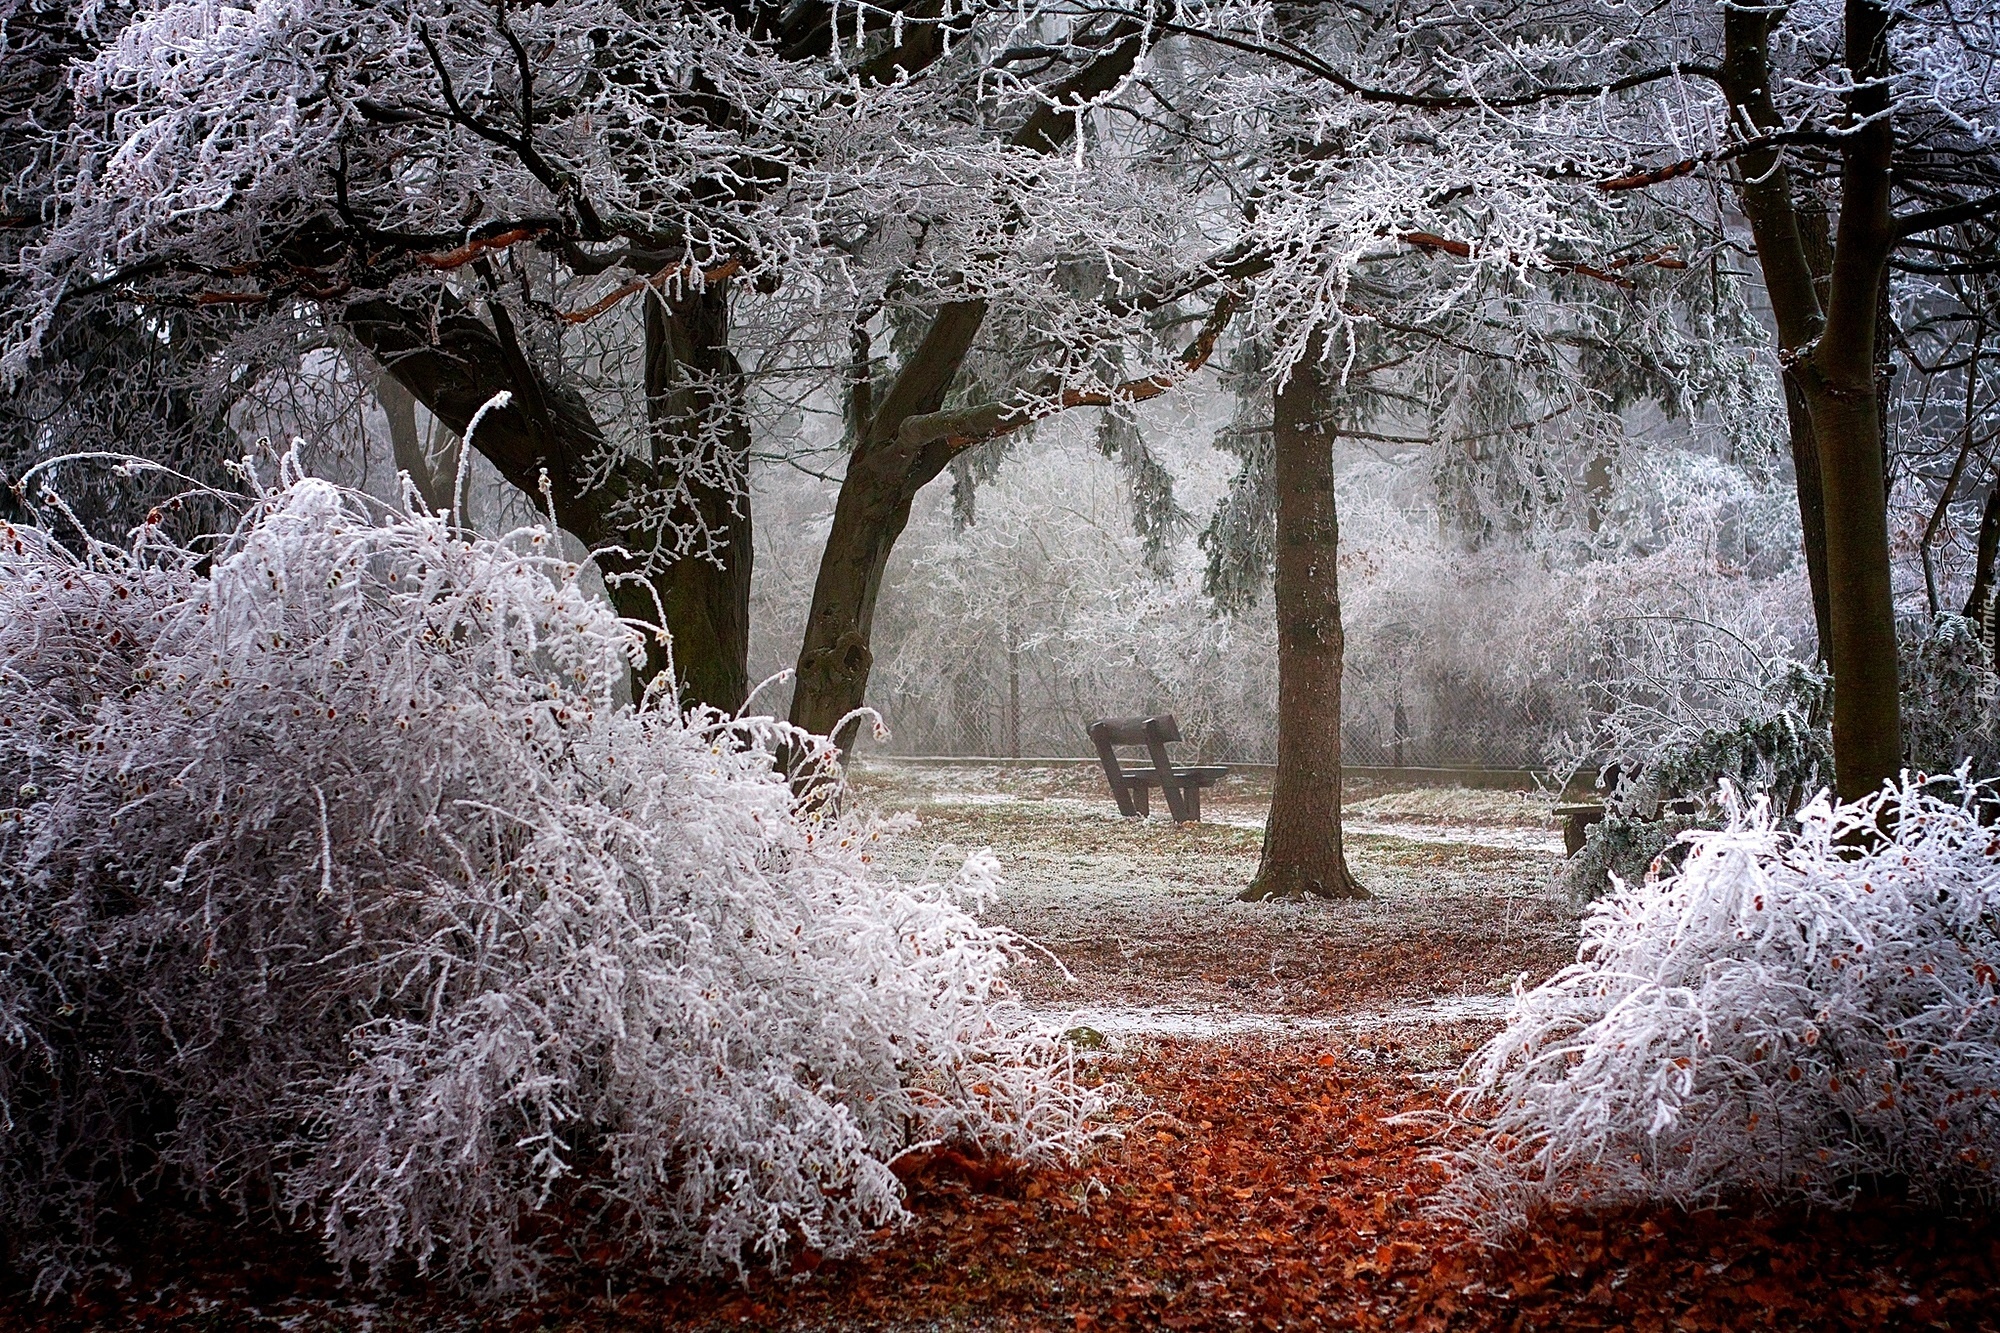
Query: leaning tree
{"x":585,"y":207}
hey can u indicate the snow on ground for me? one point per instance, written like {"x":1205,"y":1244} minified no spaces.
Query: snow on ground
{"x":1142,"y":937}
{"x":1113,"y":1022}
{"x":1508,"y":836}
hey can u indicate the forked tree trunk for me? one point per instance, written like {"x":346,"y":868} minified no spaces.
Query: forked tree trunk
{"x":885,"y":472}
{"x":883,"y":477}
{"x":1303,"y":854}
{"x":1828,"y":346}
{"x":454,"y":363}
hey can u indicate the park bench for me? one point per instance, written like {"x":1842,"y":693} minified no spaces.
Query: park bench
{"x":1130,"y":784}
{"x":1577,"y":819}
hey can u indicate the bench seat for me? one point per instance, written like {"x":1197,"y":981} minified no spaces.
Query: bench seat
{"x":1577,"y":819}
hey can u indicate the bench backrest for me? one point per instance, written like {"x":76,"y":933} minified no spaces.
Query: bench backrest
{"x":1151,"y":732}
{"x":1135,"y":730}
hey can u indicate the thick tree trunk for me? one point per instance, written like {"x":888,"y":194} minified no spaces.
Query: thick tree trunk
{"x":1827,"y":344}
{"x":694,"y":405}
{"x":1867,"y":718}
{"x":1303,"y":854}
{"x":884,"y":473}
{"x":1842,"y":388}
{"x":454,"y":363}
{"x":883,"y":477}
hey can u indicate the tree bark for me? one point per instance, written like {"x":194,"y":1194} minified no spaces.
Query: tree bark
{"x":1816,"y":240}
{"x":1796,"y":254}
{"x":1303,"y":854}
{"x":1828,"y":349}
{"x":1812,"y":511}
{"x":885,"y":470}
{"x":454,"y":363}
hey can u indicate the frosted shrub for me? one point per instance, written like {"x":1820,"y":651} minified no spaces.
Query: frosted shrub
{"x":337,"y":883}
{"x":1787,"y":1017}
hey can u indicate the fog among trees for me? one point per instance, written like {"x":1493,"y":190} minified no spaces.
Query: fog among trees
{"x":484,"y":477}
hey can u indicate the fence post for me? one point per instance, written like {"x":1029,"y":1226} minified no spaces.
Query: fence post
{"x":1013,"y":686}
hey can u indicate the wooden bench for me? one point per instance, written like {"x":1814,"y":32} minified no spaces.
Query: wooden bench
{"x":1577,"y":819}
{"x":1130,"y":785}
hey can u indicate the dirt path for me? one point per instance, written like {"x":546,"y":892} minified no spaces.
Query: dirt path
{"x":1269,"y":1174}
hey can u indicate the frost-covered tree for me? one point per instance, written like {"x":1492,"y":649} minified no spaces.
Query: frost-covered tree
{"x":606,"y":211}
{"x":1857,"y":139}
{"x":129,"y":381}
{"x":1846,"y":136}
{"x":1430,"y":265}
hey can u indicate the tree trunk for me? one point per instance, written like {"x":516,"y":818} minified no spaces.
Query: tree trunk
{"x":870,"y":513}
{"x":399,"y":406}
{"x":1842,"y":389}
{"x":1795,"y":252}
{"x":695,"y":409}
{"x":884,"y":473}
{"x":1979,"y":606}
{"x":1816,"y":243}
{"x":1302,"y":845}
{"x":1812,"y":510}
{"x":1828,"y":347}
{"x":454,"y":363}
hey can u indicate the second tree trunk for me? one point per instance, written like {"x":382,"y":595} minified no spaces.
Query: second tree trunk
{"x":1303,"y":854}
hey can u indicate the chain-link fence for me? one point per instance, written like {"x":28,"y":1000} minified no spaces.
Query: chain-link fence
{"x":1029,"y":704}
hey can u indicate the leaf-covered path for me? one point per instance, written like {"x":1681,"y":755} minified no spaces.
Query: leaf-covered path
{"x":1275,"y":1169}
{"x":1260,"y":1186}
{"x":1269,"y":1187}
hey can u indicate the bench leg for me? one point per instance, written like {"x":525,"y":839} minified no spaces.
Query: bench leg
{"x":1191,"y":798}
{"x":1122,"y":793}
{"x":1141,"y":799}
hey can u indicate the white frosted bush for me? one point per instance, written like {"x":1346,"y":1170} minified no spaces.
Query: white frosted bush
{"x":337,"y":882}
{"x":1788,"y":1017}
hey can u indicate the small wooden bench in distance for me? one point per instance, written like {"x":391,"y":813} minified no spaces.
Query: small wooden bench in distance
{"x":1130,"y":785}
